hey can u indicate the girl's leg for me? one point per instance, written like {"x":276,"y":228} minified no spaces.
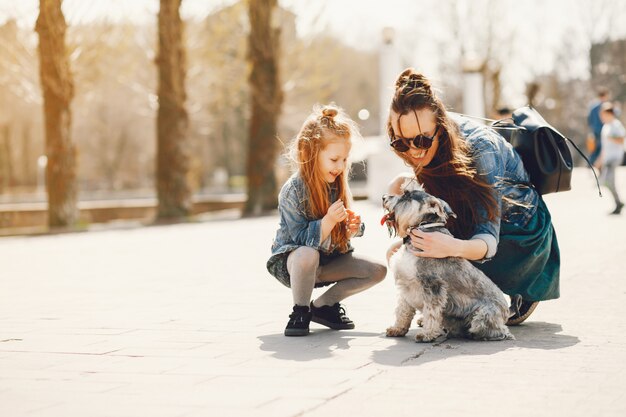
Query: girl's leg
{"x":303,"y":264}
{"x":353,"y":275}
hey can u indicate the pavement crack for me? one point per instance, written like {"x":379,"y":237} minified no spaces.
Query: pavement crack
{"x":339,"y":394}
{"x":423,"y":352}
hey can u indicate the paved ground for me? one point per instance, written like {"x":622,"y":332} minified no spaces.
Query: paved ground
{"x":184,"y":321}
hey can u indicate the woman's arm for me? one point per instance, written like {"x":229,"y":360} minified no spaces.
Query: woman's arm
{"x":440,"y":245}
{"x":393,"y":249}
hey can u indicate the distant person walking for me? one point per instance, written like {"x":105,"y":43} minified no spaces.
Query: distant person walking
{"x":612,"y":154}
{"x":594,"y":140}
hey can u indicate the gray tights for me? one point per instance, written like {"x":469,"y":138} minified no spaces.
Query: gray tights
{"x":353,"y":275}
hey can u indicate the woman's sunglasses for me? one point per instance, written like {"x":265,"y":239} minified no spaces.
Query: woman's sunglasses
{"x":420,"y":141}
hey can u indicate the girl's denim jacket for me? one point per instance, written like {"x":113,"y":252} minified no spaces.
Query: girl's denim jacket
{"x":500,"y":165}
{"x":297,"y":228}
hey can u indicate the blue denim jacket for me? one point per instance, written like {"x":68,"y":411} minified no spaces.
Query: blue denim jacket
{"x":297,"y":228}
{"x":502,"y":167}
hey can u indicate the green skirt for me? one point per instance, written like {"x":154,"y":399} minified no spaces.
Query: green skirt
{"x":528,"y":260}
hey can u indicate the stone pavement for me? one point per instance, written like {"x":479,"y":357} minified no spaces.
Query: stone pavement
{"x":184,"y":320}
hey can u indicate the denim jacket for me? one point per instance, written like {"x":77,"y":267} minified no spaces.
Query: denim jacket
{"x":502,"y":167}
{"x":297,"y":228}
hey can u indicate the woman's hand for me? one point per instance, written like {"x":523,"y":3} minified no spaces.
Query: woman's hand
{"x":353,"y":223}
{"x":393,"y":249}
{"x":434,"y":244}
{"x":336,"y":212}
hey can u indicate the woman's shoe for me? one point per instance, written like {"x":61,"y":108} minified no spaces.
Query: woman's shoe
{"x":522,"y":310}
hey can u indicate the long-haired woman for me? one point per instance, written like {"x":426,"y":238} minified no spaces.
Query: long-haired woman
{"x":502,"y":223}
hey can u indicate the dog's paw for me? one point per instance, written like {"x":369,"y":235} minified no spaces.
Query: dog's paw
{"x":427,"y":337}
{"x":396,"y":331}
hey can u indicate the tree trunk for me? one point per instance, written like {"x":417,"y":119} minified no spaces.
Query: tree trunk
{"x":173,"y":182}
{"x":4,"y":159}
{"x":266,"y":100}
{"x":58,"y":91}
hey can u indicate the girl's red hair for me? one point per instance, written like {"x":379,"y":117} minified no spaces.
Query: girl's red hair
{"x":324,"y":125}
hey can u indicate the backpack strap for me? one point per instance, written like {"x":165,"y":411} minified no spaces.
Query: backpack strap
{"x":588,"y":163}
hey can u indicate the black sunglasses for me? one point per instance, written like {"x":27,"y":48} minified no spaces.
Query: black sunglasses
{"x":420,"y":141}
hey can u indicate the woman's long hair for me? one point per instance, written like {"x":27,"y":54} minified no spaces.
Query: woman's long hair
{"x":451,"y":175}
{"x":324,"y":125}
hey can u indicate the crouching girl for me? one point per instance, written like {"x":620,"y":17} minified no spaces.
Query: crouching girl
{"x":312,"y":245}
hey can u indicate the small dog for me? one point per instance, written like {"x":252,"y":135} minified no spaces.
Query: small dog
{"x":454,"y":297}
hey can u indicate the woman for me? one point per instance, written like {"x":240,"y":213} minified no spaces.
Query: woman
{"x":502,"y":223}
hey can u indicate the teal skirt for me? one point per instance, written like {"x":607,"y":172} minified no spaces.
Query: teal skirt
{"x":528,"y":260}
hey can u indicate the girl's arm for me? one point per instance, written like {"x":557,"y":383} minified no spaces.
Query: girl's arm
{"x":303,"y":231}
{"x":336,"y":213}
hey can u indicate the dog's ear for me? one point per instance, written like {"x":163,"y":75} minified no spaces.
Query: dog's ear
{"x":411,"y":184}
{"x":440,"y":208}
{"x":447,"y":209}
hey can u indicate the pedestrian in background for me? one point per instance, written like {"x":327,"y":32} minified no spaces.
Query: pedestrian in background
{"x":594,"y":140}
{"x":612,"y":153}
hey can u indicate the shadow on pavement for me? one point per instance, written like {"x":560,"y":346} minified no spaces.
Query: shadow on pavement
{"x":533,"y":335}
{"x":319,"y":344}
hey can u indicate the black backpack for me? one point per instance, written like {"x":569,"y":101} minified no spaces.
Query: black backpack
{"x":544,"y":150}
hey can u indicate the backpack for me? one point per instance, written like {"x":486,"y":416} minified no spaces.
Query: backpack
{"x":544,"y":150}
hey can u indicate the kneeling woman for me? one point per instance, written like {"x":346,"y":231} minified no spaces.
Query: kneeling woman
{"x":503,"y":224}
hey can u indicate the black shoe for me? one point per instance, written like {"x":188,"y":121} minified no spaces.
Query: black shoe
{"x":618,"y":208}
{"x":299,"y":320}
{"x":332,"y":316}
{"x":521,"y":310}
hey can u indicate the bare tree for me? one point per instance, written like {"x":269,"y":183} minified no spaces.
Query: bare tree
{"x":58,"y":91}
{"x":173,"y":185}
{"x":266,"y":99}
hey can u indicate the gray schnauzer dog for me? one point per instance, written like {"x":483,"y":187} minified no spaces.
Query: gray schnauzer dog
{"x":455,"y":298}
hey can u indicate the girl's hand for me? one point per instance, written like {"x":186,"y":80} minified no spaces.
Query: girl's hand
{"x":353,"y":222}
{"x":434,"y":244}
{"x":337,"y":212}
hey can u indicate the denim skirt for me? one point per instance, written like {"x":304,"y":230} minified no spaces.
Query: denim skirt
{"x":277,"y":266}
{"x":528,"y":260}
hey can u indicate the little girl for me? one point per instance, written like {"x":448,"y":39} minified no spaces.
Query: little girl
{"x":312,"y":246}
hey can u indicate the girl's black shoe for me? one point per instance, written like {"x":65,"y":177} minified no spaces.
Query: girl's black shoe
{"x":299,"y":320}
{"x":332,"y":316}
